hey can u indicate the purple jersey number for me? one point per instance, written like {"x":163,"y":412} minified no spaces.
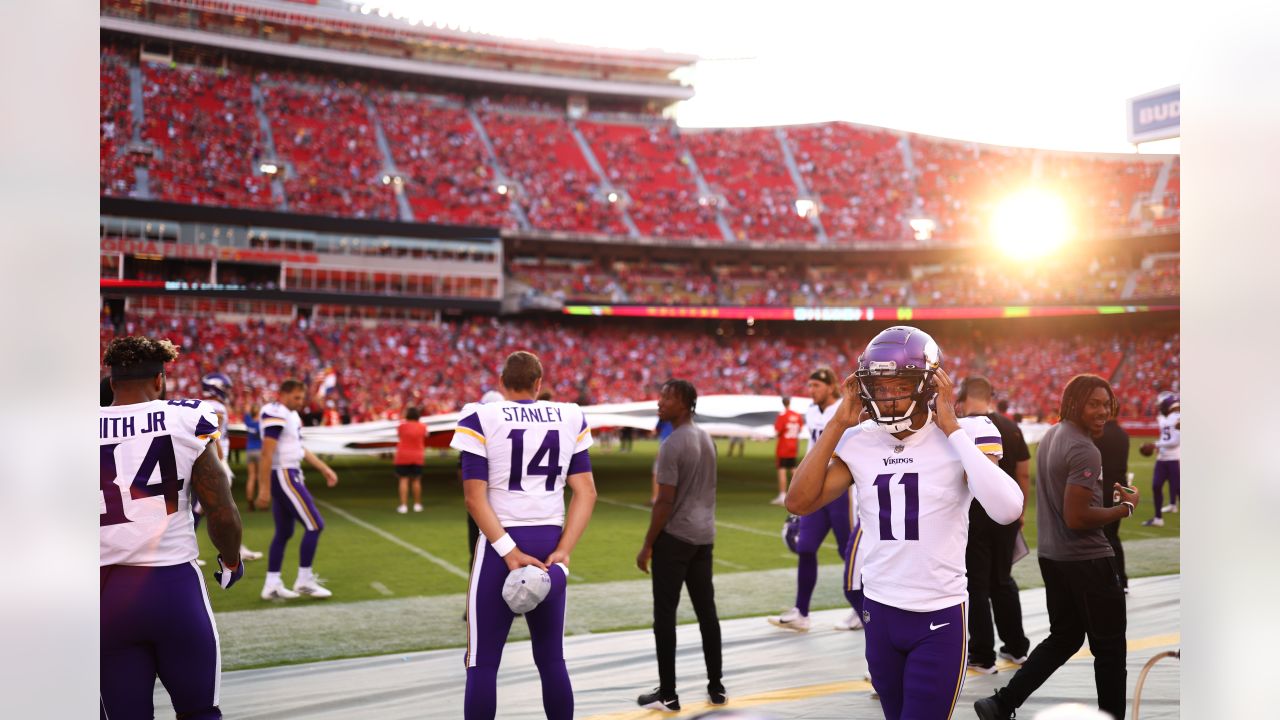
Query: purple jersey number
{"x":548,"y":451}
{"x":159,"y":453}
{"x":911,"y":485}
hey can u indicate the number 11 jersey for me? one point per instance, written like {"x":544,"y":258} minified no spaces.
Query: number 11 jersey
{"x":913,"y":502}
{"x":531,"y":448}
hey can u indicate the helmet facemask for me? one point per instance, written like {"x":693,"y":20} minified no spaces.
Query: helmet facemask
{"x":901,"y":407}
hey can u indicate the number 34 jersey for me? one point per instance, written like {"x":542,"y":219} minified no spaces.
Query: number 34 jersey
{"x":146,"y":452}
{"x":913,"y":502}
{"x":530,"y":448}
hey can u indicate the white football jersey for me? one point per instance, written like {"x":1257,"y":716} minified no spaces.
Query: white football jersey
{"x":224,"y":439}
{"x":289,"y":449}
{"x":528,"y":446}
{"x":146,"y":451}
{"x":1170,"y":445}
{"x":913,"y":501}
{"x":815,"y":420}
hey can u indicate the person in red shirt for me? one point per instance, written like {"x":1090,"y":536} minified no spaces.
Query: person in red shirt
{"x":409,"y":452}
{"x":787,"y":427}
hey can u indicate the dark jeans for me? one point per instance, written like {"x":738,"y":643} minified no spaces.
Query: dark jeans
{"x":1084,"y":599}
{"x":677,"y":563}
{"x":989,"y":559}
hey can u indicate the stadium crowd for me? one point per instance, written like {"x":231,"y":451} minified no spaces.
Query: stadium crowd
{"x":379,"y":368}
{"x":1100,"y":279}
{"x":206,"y":141}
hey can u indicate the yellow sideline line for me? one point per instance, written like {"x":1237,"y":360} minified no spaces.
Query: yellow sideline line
{"x":806,"y":692}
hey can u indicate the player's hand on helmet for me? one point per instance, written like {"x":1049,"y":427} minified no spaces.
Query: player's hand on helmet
{"x":946,"y":402}
{"x":518,"y":559}
{"x":642,"y":558}
{"x":850,"y":412}
{"x":227,"y":576}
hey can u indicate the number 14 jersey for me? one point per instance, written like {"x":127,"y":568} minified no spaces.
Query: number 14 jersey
{"x":530,"y":448}
{"x":913,"y":503}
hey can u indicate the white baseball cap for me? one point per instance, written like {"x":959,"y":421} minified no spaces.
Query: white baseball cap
{"x":525,"y":588}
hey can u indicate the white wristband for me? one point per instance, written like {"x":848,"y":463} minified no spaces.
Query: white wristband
{"x":504,"y":545}
{"x":1129,"y":505}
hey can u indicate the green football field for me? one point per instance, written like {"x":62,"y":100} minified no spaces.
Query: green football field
{"x":369,"y":552}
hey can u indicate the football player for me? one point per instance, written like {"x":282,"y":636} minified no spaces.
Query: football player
{"x":787,"y":428}
{"x":517,"y":456}
{"x":217,"y":392}
{"x":1168,"y":459}
{"x":281,"y":462}
{"x":914,"y":472}
{"x":155,"y":456}
{"x":835,"y":515}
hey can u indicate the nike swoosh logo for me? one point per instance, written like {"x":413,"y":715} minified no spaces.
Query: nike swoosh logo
{"x":935,"y":627}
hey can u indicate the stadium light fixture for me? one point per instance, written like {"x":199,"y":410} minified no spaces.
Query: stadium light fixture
{"x":923,"y":227}
{"x":269,"y":168}
{"x":1031,"y":224}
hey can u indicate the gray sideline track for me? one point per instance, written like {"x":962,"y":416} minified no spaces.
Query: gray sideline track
{"x":775,"y":673}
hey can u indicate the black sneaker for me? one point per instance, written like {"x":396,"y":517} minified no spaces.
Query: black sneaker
{"x":715,"y":695}
{"x":655,"y":701}
{"x":991,"y":708}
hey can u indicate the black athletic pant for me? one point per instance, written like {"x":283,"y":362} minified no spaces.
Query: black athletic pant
{"x":989,"y":559}
{"x":1084,"y":599}
{"x":676,"y":563}
{"x":1112,"y":532}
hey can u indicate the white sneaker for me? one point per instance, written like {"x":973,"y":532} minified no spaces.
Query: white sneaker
{"x":402,"y":509}
{"x":1154,"y":522}
{"x":1018,"y":660}
{"x":277,"y":592}
{"x":791,"y":620}
{"x":247,"y":554}
{"x":853,"y":622}
{"x":417,"y":507}
{"x":1171,"y":507}
{"x":311,"y":588}
{"x":780,"y":500}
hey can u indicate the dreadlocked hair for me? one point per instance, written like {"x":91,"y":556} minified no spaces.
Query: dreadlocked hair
{"x":125,"y":352}
{"x":684,"y":391}
{"x":1076,"y":394}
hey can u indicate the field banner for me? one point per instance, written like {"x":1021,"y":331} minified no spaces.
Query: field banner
{"x":746,"y":416}
{"x":1155,"y":115}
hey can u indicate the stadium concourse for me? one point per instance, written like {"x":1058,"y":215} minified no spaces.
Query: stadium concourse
{"x":772,"y":672}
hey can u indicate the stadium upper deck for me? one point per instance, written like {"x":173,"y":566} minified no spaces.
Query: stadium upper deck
{"x":218,"y":126}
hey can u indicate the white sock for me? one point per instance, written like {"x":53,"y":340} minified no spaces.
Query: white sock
{"x":304,"y":575}
{"x":273,"y":578}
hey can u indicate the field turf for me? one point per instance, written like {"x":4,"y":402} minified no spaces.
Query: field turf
{"x":369,"y":552}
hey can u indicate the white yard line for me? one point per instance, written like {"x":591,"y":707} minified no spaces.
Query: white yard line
{"x":443,"y":564}
{"x":729,"y":564}
{"x":381,"y":588}
{"x":721,"y":523}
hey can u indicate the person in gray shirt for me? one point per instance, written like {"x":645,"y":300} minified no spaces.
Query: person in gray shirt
{"x":682,"y":531}
{"x":1082,"y":586}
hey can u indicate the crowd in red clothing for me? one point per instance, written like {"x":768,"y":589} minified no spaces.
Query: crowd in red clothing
{"x":115,"y":167}
{"x":867,"y":184}
{"x":746,"y":167}
{"x":556,"y":187}
{"x":323,"y":133}
{"x":380,"y":368}
{"x":206,"y":138}
{"x":647,"y":163}
{"x":1098,"y":279}
{"x":440,"y":156}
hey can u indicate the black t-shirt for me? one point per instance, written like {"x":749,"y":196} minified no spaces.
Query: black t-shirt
{"x":1114,"y":446}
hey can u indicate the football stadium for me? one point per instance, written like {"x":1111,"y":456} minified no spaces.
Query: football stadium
{"x":385,"y":208}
